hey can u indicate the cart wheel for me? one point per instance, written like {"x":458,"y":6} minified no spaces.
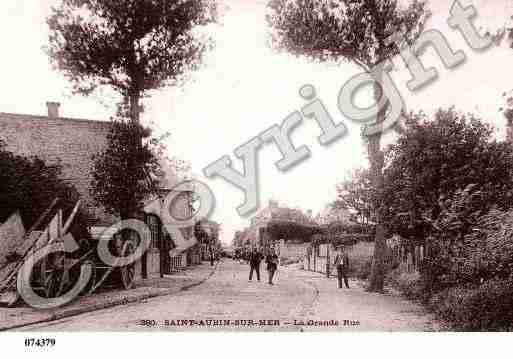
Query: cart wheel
{"x":128,"y":272}
{"x":92,"y":282}
{"x":51,"y":285}
{"x":52,"y":274}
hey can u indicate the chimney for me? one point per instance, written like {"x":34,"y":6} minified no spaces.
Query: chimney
{"x":53,"y":109}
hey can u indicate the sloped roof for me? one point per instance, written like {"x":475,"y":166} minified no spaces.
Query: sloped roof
{"x":69,"y":142}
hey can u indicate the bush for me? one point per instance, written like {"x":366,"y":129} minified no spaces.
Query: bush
{"x":29,"y":185}
{"x":488,"y":307}
{"x":409,"y":284}
{"x":125,"y":172}
{"x":490,"y":245}
{"x":360,"y":269}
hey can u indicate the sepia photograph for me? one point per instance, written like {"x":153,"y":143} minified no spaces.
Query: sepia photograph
{"x":255,"y":166}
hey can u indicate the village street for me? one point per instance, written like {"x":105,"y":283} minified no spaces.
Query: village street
{"x":228,"y":301}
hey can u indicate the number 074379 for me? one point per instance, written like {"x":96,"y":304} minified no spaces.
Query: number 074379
{"x":40,"y":342}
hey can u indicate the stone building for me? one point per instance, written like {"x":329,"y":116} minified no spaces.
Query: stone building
{"x":212,"y":230}
{"x":288,"y":247}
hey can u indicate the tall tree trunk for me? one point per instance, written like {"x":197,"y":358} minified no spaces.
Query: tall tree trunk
{"x":134,"y":106}
{"x":376,"y":158}
{"x":134,"y":113}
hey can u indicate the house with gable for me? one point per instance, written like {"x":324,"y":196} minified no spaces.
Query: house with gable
{"x":72,"y":142}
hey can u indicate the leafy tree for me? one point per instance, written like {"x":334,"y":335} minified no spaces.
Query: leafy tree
{"x":356,"y":31}
{"x":121,"y":173}
{"x":491,"y":243}
{"x":434,"y":159}
{"x":355,"y":194}
{"x":130,"y":46}
{"x":332,"y":214}
{"x":280,"y":229}
{"x":443,"y":175}
{"x":29,"y":185}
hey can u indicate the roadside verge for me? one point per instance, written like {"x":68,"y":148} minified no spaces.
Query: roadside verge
{"x":14,"y":318}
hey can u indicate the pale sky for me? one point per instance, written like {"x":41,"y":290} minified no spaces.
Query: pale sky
{"x":244,"y":88}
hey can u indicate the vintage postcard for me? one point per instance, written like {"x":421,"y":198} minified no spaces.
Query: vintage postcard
{"x":253,"y":166}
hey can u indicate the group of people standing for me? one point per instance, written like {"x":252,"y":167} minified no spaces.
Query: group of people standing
{"x":271,"y":259}
{"x":255,"y":257}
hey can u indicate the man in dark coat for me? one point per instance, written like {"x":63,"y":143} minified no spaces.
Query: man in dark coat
{"x":342,"y":265}
{"x":212,"y":255}
{"x":272,"y":264}
{"x":255,"y":258}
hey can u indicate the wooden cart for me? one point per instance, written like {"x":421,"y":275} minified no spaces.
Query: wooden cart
{"x":58,"y":272}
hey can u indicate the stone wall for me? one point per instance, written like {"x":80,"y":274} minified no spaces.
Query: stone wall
{"x":292,"y":251}
{"x":358,"y":253}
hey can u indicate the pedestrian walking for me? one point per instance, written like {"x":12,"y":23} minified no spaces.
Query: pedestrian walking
{"x":272,"y":264}
{"x":255,"y":257}
{"x":342,"y":265}
{"x":212,"y":255}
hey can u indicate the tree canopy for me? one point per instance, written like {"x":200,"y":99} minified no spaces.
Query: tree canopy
{"x":354,"y":30}
{"x":130,"y":45}
{"x":122,"y":173}
{"x":436,"y":158}
{"x":291,"y":230}
{"x":355,"y":194}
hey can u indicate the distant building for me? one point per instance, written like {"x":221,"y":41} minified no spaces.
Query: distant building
{"x":252,"y":237}
{"x":211,"y":228}
{"x":331,"y":215}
